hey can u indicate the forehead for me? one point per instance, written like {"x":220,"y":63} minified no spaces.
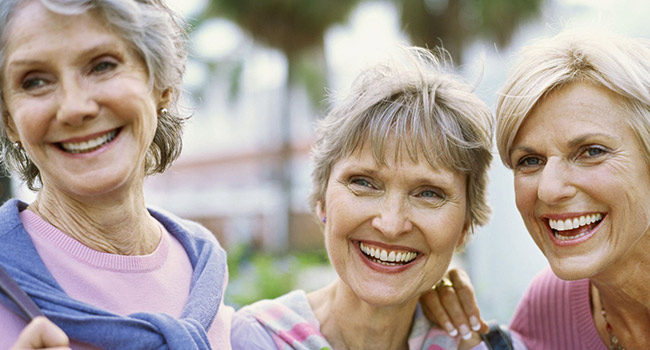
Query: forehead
{"x":396,"y":158}
{"x":33,"y":27}
{"x":577,"y":108}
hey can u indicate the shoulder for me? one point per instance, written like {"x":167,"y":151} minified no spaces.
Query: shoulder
{"x":9,"y":215}
{"x":548,"y":292}
{"x":290,"y":317}
{"x":248,"y":334}
{"x":552,"y":306}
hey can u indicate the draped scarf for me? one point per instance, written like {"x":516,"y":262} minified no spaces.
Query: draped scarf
{"x":98,"y":327}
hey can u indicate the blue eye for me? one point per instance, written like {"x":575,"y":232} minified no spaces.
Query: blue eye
{"x":361,"y":182}
{"x":32,"y":83}
{"x":104,"y":66}
{"x":529,"y":162}
{"x":429,"y":194}
{"x":594,"y":151}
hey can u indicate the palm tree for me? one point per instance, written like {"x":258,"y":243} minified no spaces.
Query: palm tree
{"x":296,"y":28}
{"x":456,"y":23}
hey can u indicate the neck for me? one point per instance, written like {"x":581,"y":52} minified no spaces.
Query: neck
{"x":625,"y":296}
{"x":349,"y":323}
{"x":116,"y":225}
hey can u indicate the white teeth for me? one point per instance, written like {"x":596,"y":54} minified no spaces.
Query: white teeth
{"x":572,"y":224}
{"x":388,"y":257}
{"x":87,"y":146}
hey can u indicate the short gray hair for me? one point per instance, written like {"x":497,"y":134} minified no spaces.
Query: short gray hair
{"x":156,"y":33}
{"x":619,"y":64}
{"x":430,"y":111}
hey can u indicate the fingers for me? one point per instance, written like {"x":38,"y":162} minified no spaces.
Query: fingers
{"x":41,"y":333}
{"x":467,"y":300}
{"x":452,"y":306}
{"x":435,"y":311}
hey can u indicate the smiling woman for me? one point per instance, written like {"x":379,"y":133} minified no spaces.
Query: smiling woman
{"x":400,"y":169}
{"x":89,"y":109}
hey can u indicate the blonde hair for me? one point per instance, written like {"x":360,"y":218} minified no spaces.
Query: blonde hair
{"x":619,"y":64}
{"x":428,"y":109}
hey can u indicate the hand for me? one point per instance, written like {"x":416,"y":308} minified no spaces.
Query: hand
{"x":454,"y":307}
{"x":41,"y":333}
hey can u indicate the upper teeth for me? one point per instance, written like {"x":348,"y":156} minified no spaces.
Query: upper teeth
{"x":570,"y":224}
{"x":388,"y":256}
{"x":85,"y":146}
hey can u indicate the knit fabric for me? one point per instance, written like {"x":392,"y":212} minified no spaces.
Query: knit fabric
{"x":556,"y":314}
{"x":103,"y":326}
{"x":288,"y":322}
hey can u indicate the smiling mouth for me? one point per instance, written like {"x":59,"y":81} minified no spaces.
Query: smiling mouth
{"x":89,"y":145}
{"x":570,"y":229}
{"x":387,"y":257}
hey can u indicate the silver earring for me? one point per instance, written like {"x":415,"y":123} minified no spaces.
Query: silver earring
{"x":18,"y":146}
{"x":164,"y":112}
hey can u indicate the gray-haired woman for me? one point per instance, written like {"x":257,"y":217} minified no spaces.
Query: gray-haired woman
{"x":89,"y":108}
{"x":399,"y":183}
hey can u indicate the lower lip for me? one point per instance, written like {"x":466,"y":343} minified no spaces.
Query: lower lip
{"x":103,"y":148}
{"x":572,"y":242}
{"x":382,"y":268}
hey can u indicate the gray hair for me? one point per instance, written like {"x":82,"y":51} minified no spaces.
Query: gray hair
{"x":156,"y":33}
{"x":619,"y":64}
{"x":428,"y":109}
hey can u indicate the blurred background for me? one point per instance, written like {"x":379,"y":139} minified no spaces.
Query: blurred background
{"x":260,"y":74}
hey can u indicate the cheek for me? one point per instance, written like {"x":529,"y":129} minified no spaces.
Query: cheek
{"x":525,"y":195}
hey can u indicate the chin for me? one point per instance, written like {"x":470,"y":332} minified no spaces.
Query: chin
{"x":571,"y":269}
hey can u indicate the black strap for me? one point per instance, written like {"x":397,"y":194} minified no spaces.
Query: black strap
{"x":497,"y":338}
{"x":18,"y":295}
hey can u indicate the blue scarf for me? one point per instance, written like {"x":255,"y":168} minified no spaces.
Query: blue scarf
{"x":91,"y":325}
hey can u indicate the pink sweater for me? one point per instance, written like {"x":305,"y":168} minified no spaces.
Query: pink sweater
{"x":556,"y":314}
{"x":158,"y":282}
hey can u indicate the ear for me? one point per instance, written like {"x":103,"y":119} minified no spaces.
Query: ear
{"x":465,"y":235}
{"x":10,"y":127}
{"x":320,"y":210}
{"x":165,"y":98}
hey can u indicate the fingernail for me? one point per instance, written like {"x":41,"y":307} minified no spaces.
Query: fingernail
{"x":464,"y":331}
{"x":476,"y":325}
{"x":450,"y":329}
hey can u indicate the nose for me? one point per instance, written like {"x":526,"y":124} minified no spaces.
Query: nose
{"x":393,"y":219}
{"x":554,"y":184}
{"x":76,"y":102}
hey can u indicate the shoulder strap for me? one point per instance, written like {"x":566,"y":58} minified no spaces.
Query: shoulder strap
{"x":18,"y":295}
{"x":497,"y":338}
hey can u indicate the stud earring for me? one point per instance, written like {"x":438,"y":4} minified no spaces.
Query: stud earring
{"x":324,"y":219}
{"x":18,"y":146}
{"x":164,"y":112}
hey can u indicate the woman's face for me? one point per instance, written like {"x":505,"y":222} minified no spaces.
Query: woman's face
{"x":581,"y":181}
{"x":391,"y":230}
{"x":78,"y":99}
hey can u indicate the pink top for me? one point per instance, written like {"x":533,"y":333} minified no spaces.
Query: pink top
{"x":158,"y":282}
{"x":556,"y":314}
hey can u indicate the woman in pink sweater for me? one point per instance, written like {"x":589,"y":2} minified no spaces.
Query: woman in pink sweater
{"x":573,"y":123}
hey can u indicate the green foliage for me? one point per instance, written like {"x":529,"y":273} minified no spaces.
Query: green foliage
{"x":260,"y":275}
{"x":289,"y":25}
{"x":456,"y":23}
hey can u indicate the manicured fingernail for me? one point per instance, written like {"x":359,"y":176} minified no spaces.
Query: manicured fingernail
{"x":450,"y":329}
{"x":464,"y":331}
{"x":476,"y":325}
